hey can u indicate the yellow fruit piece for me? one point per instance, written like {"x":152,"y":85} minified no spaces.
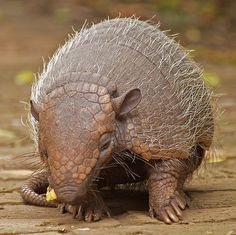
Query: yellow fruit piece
{"x":50,"y":195}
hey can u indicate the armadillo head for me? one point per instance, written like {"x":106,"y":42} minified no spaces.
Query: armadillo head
{"x":78,"y":134}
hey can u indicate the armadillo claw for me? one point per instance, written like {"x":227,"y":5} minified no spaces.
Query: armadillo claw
{"x":90,"y":211}
{"x":172,"y":211}
{"x":88,"y":214}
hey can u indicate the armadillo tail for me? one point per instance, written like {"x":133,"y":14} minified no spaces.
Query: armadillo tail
{"x":31,"y":191}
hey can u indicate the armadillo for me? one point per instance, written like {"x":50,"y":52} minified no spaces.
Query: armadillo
{"x":120,"y":102}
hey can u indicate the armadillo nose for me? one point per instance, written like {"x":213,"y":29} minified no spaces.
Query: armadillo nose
{"x":69,"y":195}
{"x":68,"y":198}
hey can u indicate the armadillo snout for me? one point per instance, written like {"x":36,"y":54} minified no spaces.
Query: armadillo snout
{"x":77,"y":128}
{"x":72,"y":195}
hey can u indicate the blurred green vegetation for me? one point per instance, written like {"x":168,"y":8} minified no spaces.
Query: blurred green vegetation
{"x":200,"y":13}
{"x":211,"y":23}
{"x":24,"y":77}
{"x":208,"y":27}
{"x":211,"y":79}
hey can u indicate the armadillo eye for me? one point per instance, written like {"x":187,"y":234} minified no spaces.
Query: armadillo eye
{"x":105,"y":141}
{"x":104,"y":146}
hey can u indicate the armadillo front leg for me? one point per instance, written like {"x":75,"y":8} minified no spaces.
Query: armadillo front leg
{"x":92,"y":208}
{"x":165,"y":200}
{"x":165,"y":185}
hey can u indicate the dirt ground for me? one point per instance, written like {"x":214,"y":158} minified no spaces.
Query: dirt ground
{"x":23,"y":42}
{"x":212,"y":210}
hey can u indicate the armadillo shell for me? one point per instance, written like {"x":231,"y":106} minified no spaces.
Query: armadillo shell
{"x":175,"y":112}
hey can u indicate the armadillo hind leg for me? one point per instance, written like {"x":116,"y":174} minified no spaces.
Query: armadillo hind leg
{"x":33,"y":188}
{"x":167,"y":199}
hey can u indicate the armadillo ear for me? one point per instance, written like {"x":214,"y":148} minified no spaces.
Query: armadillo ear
{"x":34,"y":110}
{"x":126,"y":102}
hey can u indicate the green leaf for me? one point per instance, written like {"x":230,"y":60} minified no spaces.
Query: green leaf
{"x":211,"y":79}
{"x":24,"y":77}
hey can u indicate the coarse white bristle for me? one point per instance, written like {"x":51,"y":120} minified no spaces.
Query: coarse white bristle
{"x":186,"y":95}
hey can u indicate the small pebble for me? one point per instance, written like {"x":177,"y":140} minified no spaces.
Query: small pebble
{"x":62,"y":230}
{"x":83,"y":229}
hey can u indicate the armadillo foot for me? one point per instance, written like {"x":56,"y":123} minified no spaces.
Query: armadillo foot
{"x":171,"y":209}
{"x":165,"y":184}
{"x":92,"y":209}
